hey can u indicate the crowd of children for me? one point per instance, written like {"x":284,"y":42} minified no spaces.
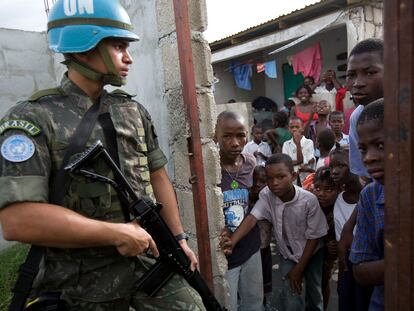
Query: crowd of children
{"x":337,"y":222}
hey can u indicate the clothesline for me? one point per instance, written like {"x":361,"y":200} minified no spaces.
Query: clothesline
{"x":307,"y":61}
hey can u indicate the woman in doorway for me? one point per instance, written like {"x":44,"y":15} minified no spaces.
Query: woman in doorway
{"x":306,"y":109}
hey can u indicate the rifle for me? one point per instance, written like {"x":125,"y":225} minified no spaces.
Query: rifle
{"x":172,"y":258}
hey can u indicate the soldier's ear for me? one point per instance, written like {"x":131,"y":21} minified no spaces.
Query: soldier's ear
{"x":85,"y":56}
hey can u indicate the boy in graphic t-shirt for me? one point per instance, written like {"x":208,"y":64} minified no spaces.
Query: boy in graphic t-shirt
{"x":244,"y":273}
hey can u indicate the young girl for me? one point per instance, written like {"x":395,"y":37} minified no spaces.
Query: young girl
{"x":280,"y":133}
{"x":327,"y":191}
{"x":305,"y":109}
{"x":351,"y":295}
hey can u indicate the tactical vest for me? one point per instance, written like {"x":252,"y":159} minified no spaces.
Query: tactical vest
{"x":95,"y":199}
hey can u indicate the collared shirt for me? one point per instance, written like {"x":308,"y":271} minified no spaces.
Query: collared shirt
{"x":323,"y":90}
{"x":294,"y":222}
{"x":251,"y":147}
{"x":308,"y":152}
{"x":344,"y":142}
{"x":355,"y":160}
{"x":368,"y":244}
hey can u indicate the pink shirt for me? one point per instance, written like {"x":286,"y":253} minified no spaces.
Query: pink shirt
{"x":294,"y":222}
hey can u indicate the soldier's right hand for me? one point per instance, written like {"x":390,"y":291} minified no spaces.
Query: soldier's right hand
{"x":133,"y":240}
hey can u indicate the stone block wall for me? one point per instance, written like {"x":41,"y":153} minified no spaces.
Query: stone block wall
{"x":365,"y":21}
{"x":155,"y":23}
{"x":179,"y":128}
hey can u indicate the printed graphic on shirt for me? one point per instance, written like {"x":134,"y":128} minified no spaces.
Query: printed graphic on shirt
{"x":235,"y":204}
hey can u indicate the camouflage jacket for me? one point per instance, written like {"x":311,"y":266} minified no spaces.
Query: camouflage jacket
{"x":34,"y":136}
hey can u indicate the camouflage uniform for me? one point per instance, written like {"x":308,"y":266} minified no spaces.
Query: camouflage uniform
{"x":91,"y":278}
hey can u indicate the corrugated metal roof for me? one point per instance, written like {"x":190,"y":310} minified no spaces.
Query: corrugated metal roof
{"x":269,"y":21}
{"x":294,"y":17}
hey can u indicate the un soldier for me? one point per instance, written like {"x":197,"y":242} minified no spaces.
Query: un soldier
{"x":91,"y":255}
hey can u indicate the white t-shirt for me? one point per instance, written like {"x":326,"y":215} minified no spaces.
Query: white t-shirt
{"x":308,"y":152}
{"x":342,"y":212}
{"x":251,"y":147}
{"x":344,"y":142}
{"x":321,"y":162}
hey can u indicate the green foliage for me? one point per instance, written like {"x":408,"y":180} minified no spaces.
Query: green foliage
{"x":10,"y":260}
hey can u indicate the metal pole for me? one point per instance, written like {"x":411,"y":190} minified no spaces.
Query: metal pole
{"x":196,"y":156}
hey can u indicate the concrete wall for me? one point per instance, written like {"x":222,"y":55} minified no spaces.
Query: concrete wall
{"x":332,"y":42}
{"x":26,"y":66}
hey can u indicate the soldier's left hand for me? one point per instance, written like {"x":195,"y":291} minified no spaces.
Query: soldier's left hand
{"x":190,"y":254}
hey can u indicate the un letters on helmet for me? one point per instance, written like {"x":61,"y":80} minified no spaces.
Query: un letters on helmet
{"x":73,"y":7}
{"x":77,"y":26}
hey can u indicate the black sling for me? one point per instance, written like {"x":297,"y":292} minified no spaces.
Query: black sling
{"x":29,"y":269}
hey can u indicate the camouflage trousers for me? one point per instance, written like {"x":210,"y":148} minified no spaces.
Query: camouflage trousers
{"x":111,"y":288}
{"x":175,"y":295}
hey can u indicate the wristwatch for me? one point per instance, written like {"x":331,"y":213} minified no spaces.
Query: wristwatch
{"x":181,"y":236}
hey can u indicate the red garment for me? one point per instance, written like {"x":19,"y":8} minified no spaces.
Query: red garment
{"x":307,"y":183}
{"x":308,"y":62}
{"x":339,"y":98}
{"x":347,"y":114}
{"x":260,"y":67}
{"x":304,"y":116}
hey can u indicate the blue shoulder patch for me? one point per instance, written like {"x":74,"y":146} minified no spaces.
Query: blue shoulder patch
{"x":17,"y":148}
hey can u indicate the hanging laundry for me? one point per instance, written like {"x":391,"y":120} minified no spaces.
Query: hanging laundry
{"x":260,"y":67}
{"x":242,"y":74}
{"x":270,"y":69}
{"x":308,"y":62}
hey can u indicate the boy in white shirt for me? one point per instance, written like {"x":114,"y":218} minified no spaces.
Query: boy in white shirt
{"x":257,"y":147}
{"x":300,"y":149}
{"x":337,"y":123}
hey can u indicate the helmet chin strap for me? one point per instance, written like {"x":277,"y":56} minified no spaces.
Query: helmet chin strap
{"x":112,"y":78}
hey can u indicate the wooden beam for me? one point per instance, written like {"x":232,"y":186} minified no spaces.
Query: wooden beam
{"x":185,"y":55}
{"x":399,"y":147}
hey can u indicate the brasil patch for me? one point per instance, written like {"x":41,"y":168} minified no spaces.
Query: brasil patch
{"x":23,"y":125}
{"x":17,"y":148}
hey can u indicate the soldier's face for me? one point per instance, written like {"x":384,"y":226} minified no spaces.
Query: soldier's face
{"x":118,"y":51}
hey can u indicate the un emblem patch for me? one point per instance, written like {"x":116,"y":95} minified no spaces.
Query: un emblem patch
{"x":17,"y":148}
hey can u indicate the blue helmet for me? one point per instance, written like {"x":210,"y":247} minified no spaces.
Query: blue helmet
{"x":77,"y":26}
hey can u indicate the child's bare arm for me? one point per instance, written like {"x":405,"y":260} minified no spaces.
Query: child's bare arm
{"x":308,"y":123}
{"x":369,"y":273}
{"x":227,"y":243}
{"x":299,"y":155}
{"x":345,"y":242}
{"x":295,"y":275}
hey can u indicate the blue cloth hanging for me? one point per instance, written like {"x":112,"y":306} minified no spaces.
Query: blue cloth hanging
{"x":270,"y":69}
{"x":242,"y":74}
